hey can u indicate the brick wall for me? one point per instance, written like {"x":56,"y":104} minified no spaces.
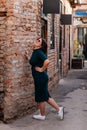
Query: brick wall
{"x":2,"y":63}
{"x":53,"y":53}
{"x":23,"y":26}
{"x":21,"y":31}
{"x":20,"y":28}
{"x":67,"y":49}
{"x":2,"y":53}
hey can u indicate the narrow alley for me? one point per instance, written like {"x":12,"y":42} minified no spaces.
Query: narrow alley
{"x":72,"y":94}
{"x":62,"y":26}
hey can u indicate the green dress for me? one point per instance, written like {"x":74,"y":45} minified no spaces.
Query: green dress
{"x":40,"y":78}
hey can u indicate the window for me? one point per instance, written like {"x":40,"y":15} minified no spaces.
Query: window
{"x":82,"y":32}
{"x":52,"y":35}
{"x":62,"y":8}
{"x":44,"y":29}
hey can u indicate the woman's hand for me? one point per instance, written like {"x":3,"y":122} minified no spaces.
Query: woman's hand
{"x":39,"y":69}
{"x":26,"y":54}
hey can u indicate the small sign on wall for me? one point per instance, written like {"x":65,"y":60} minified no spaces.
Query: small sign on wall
{"x":66,"y":19}
{"x":81,"y":13}
{"x":51,"y":6}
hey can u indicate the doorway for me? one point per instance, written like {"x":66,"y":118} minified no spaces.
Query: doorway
{"x":44,"y":29}
{"x":60,"y":53}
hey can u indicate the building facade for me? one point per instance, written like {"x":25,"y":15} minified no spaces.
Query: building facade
{"x":21,"y":22}
{"x":80,"y":28}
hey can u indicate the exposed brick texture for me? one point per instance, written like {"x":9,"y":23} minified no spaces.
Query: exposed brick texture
{"x":18,"y":29}
{"x":2,"y":53}
{"x":21,"y":31}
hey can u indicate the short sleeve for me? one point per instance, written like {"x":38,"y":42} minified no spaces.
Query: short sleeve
{"x":42,"y":55}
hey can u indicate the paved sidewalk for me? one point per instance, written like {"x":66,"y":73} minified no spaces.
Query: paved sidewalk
{"x":71,"y":92}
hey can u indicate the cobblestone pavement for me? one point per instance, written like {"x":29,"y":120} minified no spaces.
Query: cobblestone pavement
{"x":71,"y":92}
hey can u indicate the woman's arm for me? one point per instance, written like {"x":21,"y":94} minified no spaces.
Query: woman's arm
{"x":44,"y":67}
{"x":27,"y":55}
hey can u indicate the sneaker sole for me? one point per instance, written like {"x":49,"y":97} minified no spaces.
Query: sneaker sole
{"x":39,"y":118}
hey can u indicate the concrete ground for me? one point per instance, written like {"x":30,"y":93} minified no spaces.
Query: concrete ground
{"x":71,"y":92}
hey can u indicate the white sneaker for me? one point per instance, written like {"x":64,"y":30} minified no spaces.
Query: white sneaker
{"x":39,"y":117}
{"x":61,"y":113}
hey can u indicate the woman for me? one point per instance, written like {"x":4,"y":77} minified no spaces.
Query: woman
{"x":39,"y":63}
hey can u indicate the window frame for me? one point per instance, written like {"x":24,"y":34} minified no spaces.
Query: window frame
{"x":52,"y":32}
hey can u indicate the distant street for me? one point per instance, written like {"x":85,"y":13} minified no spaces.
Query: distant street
{"x":71,"y":92}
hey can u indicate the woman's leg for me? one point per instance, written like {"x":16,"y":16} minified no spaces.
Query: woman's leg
{"x":53,"y":103}
{"x":60,"y":110}
{"x":42,"y":108}
{"x":40,"y":116}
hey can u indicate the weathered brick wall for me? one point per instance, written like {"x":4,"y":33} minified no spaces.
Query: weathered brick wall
{"x":65,"y":64}
{"x":66,"y":51}
{"x":21,"y":31}
{"x":53,"y":53}
{"x":66,"y":57}
{"x":22,"y":26}
{"x":2,"y":63}
{"x":2,"y":53}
